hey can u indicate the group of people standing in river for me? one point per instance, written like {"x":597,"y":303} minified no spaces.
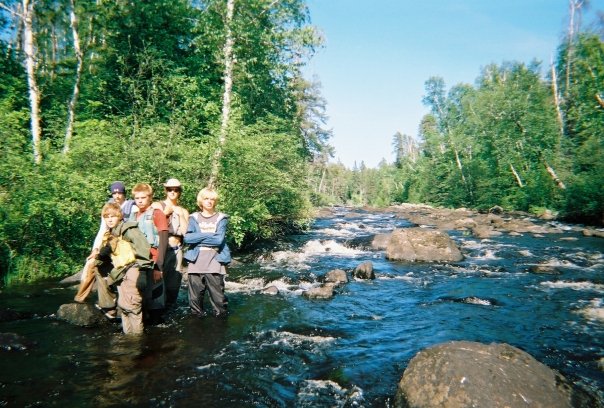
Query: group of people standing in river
{"x":144,"y":248}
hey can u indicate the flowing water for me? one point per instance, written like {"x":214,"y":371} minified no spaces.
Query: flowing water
{"x":285,"y":350}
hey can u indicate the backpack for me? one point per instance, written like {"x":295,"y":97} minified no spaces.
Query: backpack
{"x":122,"y":256}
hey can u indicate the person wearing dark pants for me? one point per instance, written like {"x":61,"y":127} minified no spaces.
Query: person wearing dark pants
{"x":213,"y":283}
{"x":177,"y":218}
{"x":208,"y":255}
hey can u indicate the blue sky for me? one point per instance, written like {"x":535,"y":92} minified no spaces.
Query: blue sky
{"x":379,"y":53}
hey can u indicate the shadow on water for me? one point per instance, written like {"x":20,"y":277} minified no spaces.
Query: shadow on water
{"x":286,"y":350}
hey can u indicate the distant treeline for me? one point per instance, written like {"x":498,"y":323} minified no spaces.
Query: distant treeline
{"x":513,"y":139}
{"x":211,"y":92}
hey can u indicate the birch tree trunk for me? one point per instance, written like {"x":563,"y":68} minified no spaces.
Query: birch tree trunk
{"x":30,"y":66}
{"x":228,"y":87}
{"x":552,"y":173}
{"x":76,"y":86}
{"x":516,"y":175}
{"x":557,"y":99}
{"x":323,"y":172}
{"x":459,"y":166}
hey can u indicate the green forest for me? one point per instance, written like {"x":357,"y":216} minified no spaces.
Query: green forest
{"x":212,"y":92}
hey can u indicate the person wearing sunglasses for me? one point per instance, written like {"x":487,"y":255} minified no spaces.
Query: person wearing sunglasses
{"x":177,"y":217}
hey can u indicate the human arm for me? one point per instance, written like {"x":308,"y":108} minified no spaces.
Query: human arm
{"x":98,"y":240}
{"x":183,"y":218}
{"x":206,"y":239}
{"x":159,"y":218}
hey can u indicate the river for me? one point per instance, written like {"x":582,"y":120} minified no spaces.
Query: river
{"x":348,"y":351}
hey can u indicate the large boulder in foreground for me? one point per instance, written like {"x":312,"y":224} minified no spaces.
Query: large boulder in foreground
{"x":469,"y":374}
{"x":424,"y":245}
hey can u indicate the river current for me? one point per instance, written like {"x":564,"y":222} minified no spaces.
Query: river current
{"x":349,"y":351}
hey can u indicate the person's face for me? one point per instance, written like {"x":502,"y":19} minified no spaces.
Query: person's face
{"x":111,"y":220}
{"x":172,"y":193}
{"x":119,"y":198}
{"x":142,"y":200}
{"x":208,"y":203}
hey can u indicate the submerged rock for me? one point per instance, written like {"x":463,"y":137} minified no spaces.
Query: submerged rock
{"x":14,"y":342}
{"x":470,"y":374}
{"x":9,"y":315}
{"x":420,"y":244}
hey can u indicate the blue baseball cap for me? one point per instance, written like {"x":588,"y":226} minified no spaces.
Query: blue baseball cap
{"x":117,"y":187}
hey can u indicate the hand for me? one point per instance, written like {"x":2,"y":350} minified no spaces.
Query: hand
{"x":141,"y":281}
{"x":157,"y":276}
{"x":93,"y":254}
{"x":168,"y":209}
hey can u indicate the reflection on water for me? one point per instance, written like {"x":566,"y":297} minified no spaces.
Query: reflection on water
{"x":351,"y":350}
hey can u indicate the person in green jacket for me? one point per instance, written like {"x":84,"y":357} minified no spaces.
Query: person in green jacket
{"x":130,"y":253}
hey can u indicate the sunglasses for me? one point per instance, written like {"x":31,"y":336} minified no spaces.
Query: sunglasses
{"x":173,"y":189}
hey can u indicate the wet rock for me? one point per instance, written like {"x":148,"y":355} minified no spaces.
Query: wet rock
{"x":320,"y":292}
{"x":419,"y":244}
{"x":270,"y":290}
{"x":336,"y":276}
{"x":80,"y":314}
{"x":446,"y":219}
{"x":545,"y":269}
{"x":496,"y":210}
{"x":364,"y":271}
{"x":470,"y":374}
{"x":495,"y":220}
{"x":72,"y":280}
{"x":484,"y":231}
{"x":465,"y":223}
{"x":9,"y":315}
{"x":380,"y":241}
{"x":590,"y":232}
{"x":14,"y":342}
{"x":548,"y":215}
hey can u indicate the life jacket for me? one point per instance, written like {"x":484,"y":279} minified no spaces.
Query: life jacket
{"x":147,"y":226}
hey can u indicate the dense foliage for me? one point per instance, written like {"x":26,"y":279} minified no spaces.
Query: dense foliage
{"x":149,"y":108}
